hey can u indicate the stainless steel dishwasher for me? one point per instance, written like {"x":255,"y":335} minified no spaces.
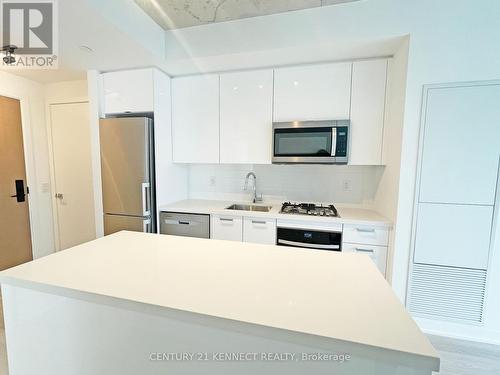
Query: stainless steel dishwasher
{"x":184,"y":224}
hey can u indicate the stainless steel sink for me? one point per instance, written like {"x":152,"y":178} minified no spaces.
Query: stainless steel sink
{"x":249,"y":207}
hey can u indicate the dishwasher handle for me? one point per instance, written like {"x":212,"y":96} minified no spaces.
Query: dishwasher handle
{"x":180,"y":222}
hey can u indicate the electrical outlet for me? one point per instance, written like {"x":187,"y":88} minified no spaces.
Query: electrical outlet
{"x":346,"y":185}
{"x":212,"y":181}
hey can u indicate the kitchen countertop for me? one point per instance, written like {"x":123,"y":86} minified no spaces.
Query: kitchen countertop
{"x":258,"y":284}
{"x":355,"y":216}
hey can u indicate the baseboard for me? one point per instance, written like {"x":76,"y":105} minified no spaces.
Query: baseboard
{"x":459,"y":331}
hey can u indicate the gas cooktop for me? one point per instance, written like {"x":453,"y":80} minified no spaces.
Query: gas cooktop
{"x":309,"y":209}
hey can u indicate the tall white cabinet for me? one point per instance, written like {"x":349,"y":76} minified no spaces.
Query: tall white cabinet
{"x":246,"y":102}
{"x":195,"y":119}
{"x":455,"y":205}
{"x":367,"y":111}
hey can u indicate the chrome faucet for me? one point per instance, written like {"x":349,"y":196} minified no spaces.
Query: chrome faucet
{"x":255,"y":197}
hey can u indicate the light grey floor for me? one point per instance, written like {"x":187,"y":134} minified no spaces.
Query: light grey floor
{"x":457,"y":357}
{"x":460,"y":357}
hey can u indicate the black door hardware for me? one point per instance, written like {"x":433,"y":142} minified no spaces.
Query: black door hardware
{"x":20,"y":195}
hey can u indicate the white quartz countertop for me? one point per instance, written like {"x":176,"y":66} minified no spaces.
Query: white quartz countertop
{"x":347,"y":215}
{"x":323,"y":293}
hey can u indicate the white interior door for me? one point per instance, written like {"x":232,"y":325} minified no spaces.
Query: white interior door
{"x":72,"y":172}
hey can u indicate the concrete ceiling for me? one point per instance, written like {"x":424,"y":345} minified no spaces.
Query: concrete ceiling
{"x":176,"y":14}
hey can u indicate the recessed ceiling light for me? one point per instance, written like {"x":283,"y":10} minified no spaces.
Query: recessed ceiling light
{"x":85,"y":48}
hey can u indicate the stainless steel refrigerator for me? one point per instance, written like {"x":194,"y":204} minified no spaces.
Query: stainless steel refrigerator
{"x":127,"y":172}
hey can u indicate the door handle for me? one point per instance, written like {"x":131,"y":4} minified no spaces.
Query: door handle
{"x":145,"y":199}
{"x":361,"y":250}
{"x":366,"y":230}
{"x":20,"y":195}
{"x":146,"y":226}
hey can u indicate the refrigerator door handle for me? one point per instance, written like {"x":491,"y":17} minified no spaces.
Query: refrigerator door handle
{"x":146,"y":225}
{"x":145,"y":188}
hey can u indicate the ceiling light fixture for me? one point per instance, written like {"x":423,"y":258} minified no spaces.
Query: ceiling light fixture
{"x":85,"y":48}
{"x":9,"y":50}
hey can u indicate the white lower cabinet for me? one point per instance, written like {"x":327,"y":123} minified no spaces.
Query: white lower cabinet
{"x":259,"y":230}
{"x":225,"y":227}
{"x":377,"y":253}
{"x":365,"y":234}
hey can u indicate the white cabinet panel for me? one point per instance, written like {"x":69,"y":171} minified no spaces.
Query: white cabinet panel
{"x":461,"y":145}
{"x":195,"y":119}
{"x":367,"y":111}
{"x":225,"y":227}
{"x":365,"y":234}
{"x":453,"y":235}
{"x":259,"y":230}
{"x":246,"y":102}
{"x":315,"y":92}
{"x":377,"y":253}
{"x":128,"y":91}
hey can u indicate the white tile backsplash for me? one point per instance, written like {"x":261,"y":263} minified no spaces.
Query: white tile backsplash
{"x":316,"y":183}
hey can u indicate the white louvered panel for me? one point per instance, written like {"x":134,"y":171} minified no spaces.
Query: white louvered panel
{"x":447,"y":292}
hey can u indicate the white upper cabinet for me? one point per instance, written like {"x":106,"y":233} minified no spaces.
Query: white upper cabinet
{"x":315,"y":92}
{"x":367,"y":111}
{"x":195,"y":119}
{"x":461,"y":145}
{"x":246,"y":102}
{"x":128,"y":91}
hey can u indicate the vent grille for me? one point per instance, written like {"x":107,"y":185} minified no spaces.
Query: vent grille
{"x":447,"y":292}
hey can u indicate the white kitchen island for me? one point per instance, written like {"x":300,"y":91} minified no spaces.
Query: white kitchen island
{"x":135,"y":303}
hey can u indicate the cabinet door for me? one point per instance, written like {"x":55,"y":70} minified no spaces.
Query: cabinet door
{"x":195,"y":119}
{"x":259,"y":230}
{"x":128,"y":91}
{"x":461,"y":146}
{"x":365,"y":234}
{"x":453,"y":235}
{"x":376,"y":253}
{"x":315,"y":92}
{"x":246,"y":117}
{"x":226,"y":227}
{"x":367,"y":111}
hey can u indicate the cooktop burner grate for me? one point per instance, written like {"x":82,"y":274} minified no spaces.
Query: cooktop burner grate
{"x":309,"y":209}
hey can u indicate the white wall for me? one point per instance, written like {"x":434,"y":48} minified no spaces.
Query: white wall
{"x":386,"y":198}
{"x":450,"y":41}
{"x":31,"y":95}
{"x":302,"y":183}
{"x":62,"y":92}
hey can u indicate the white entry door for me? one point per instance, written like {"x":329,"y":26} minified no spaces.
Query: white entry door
{"x":73,"y":192}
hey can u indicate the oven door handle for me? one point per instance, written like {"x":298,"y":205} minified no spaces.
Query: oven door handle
{"x":309,"y":245}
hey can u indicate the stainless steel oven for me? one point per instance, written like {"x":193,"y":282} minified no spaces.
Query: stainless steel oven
{"x":310,"y":239}
{"x":324,"y":142}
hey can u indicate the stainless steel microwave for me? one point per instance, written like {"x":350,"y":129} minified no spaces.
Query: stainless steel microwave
{"x":322,"y":142}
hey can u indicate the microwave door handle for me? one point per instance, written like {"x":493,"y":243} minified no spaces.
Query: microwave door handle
{"x":334,"y":141}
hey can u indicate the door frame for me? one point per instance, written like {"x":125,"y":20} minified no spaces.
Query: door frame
{"x":29,"y":162}
{"x":48,"y":118}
